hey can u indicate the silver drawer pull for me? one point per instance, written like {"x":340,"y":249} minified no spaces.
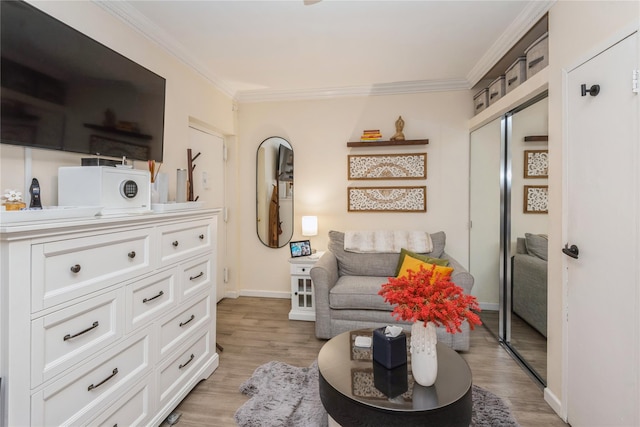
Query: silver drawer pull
{"x":480,"y":105}
{"x":132,"y":254}
{"x":76,"y":268}
{"x":493,"y":95}
{"x":69,"y":336}
{"x":152,"y":298}
{"x":196,"y":276}
{"x":113,"y":374}
{"x":190,"y":319}
{"x":533,"y":62}
{"x":187,"y":362}
{"x":201,"y":237}
{"x":512,"y":80}
{"x":175,"y":243}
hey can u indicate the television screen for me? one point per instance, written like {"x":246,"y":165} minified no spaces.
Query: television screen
{"x":62,"y":90}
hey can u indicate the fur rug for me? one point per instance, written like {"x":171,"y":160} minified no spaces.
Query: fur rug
{"x":282,"y":395}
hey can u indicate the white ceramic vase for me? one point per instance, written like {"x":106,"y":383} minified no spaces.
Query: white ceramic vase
{"x":424,"y":358}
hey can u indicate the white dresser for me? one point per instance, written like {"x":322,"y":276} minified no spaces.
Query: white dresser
{"x":106,"y":321}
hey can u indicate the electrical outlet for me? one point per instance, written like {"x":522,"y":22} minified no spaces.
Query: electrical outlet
{"x":205,"y":180}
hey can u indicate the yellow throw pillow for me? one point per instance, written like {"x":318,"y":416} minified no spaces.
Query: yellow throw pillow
{"x":411,"y":263}
{"x":422,"y":257}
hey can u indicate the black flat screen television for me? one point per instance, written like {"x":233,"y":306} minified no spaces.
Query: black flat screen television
{"x":62,"y":90}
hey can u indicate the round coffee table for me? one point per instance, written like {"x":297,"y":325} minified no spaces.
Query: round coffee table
{"x":356,"y":391}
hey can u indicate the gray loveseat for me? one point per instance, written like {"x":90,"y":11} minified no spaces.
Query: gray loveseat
{"x":529,"y":281}
{"x":347,"y":284}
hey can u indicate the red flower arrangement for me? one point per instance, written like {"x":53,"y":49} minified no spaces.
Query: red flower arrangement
{"x":438,"y":300}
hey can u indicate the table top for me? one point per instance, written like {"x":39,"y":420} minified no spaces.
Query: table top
{"x":351,"y":371}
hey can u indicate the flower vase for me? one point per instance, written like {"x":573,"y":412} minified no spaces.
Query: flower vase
{"x":424,"y":358}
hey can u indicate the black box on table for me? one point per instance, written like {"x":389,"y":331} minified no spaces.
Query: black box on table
{"x":390,"y":352}
{"x":391,"y":382}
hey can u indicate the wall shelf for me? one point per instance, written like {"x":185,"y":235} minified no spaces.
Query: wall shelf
{"x":117,"y":131}
{"x":387,"y":143}
{"x":536,"y":138}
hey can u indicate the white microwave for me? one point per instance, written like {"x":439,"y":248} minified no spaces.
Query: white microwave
{"x":118,"y":190}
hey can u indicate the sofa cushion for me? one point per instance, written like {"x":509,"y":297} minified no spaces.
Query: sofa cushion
{"x":413,"y":264}
{"x":358,"y":292}
{"x":373,"y":264}
{"x":421,"y":257}
{"x":537,"y":245}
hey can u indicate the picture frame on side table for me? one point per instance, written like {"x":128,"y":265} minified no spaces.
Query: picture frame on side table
{"x":300,"y":248}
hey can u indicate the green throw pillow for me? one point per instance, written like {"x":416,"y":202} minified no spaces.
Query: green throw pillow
{"x":424,"y":258}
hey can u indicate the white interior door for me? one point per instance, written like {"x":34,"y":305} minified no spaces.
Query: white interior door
{"x":603,"y":221}
{"x":209,"y":186}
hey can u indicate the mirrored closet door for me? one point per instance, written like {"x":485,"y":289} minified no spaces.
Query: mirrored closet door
{"x":508,"y":234}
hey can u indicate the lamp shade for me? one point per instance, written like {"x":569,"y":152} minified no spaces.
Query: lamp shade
{"x":309,"y":225}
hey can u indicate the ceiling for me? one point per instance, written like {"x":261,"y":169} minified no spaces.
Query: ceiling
{"x":258,"y":50}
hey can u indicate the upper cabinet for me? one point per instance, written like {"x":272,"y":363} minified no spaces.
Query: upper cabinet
{"x":535,"y":84}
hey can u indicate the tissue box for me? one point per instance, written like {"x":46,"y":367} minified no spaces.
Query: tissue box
{"x":391,"y":382}
{"x":390,"y":352}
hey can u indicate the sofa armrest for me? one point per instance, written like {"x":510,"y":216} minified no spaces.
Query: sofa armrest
{"x":460,"y":275}
{"x":324,"y":275}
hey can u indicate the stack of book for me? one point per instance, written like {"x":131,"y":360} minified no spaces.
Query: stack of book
{"x":371,"y":135}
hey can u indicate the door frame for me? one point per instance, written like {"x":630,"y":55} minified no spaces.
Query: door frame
{"x":562,"y":407}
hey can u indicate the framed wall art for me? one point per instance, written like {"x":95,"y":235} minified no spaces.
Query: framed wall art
{"x":387,"y":199}
{"x":536,"y":199}
{"x":536,"y":163}
{"x":387,"y":166}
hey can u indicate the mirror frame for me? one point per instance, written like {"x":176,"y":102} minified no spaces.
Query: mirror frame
{"x":274,"y":185}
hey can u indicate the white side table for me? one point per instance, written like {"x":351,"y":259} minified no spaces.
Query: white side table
{"x":303,"y":305}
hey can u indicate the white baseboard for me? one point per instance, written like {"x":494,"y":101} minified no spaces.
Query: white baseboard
{"x":554,"y":402}
{"x":232,"y":294}
{"x":489,"y":306}
{"x":265,"y":294}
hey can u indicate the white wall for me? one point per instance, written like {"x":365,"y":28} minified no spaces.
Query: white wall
{"x":319,"y":131}
{"x":577,"y":30}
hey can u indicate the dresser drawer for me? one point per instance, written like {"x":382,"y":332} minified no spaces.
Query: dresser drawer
{"x":184,"y":240}
{"x":177,"y":370}
{"x":92,"y":386}
{"x":66,"y":337}
{"x":196,"y":276}
{"x":175,"y":331}
{"x":150,"y":297}
{"x":133,"y":409}
{"x":67,"y":269}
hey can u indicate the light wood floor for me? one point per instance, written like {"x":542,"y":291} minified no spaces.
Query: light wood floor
{"x":254,"y":331}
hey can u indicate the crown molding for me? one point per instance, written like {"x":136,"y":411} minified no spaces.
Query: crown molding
{"x":523,"y":22}
{"x":514,"y":32}
{"x":399,"y":88}
{"x":132,"y":17}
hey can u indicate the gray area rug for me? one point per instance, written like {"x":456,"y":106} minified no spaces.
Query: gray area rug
{"x":282,"y":395}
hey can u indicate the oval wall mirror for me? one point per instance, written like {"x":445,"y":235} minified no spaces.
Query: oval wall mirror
{"x":274,"y":192}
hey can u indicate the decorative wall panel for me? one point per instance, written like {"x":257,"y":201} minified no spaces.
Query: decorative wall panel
{"x":387,"y":199}
{"x":536,"y":198}
{"x":388,"y":166}
{"x":536,"y":163}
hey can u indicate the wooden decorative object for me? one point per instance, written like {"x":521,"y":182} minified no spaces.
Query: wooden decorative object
{"x":190,"y":169}
{"x":536,"y":163}
{"x":387,"y":166}
{"x":387,"y":199}
{"x":387,"y":143}
{"x":536,"y":198}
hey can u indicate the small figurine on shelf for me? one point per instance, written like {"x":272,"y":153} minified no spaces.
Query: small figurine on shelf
{"x":13,"y":200}
{"x":398,"y":136}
